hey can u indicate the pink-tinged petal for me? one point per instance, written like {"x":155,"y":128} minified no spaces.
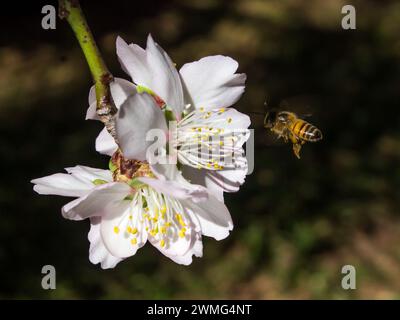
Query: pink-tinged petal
{"x":166,"y":82}
{"x":63,"y":184}
{"x":212,"y":82}
{"x":120,"y":88}
{"x":105,"y":143}
{"x":97,"y":203}
{"x":138,"y":115}
{"x":90,"y":174}
{"x":115,"y":233}
{"x":176,"y":190}
{"x":133,"y":60}
{"x":98,"y":253}
{"x":214,"y":217}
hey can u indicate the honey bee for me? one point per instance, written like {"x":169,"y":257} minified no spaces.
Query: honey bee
{"x":290,"y":127}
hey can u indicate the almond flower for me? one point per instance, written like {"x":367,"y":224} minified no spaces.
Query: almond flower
{"x":134,"y":203}
{"x":198,"y":97}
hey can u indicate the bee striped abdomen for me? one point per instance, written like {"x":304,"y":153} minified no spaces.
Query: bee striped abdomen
{"x":306,"y":131}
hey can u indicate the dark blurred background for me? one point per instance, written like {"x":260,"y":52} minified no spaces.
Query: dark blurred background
{"x":297,"y":222}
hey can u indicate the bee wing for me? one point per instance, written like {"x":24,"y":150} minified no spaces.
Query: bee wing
{"x":302,"y":105}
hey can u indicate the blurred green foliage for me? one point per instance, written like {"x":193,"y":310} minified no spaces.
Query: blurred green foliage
{"x":297,"y":222}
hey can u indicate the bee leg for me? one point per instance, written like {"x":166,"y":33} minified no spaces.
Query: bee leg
{"x":286,"y":135}
{"x":296,"y":149}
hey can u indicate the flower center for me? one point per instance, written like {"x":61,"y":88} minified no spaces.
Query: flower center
{"x":207,"y":139}
{"x":160,"y":216}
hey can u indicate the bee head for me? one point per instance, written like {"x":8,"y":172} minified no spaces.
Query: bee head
{"x":270,"y":119}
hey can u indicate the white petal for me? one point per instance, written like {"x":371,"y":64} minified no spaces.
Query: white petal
{"x":212,"y":82}
{"x":133,"y":60}
{"x":187,"y":258}
{"x":214,"y":217}
{"x":91,"y":111}
{"x":98,"y":253}
{"x":63,"y":184}
{"x":120,"y":90}
{"x":166,"y":82}
{"x":196,"y":248}
{"x":105,"y":143}
{"x":228,"y":180}
{"x":230,"y":119}
{"x":199,"y":176}
{"x":181,"y":250}
{"x":97,"y":203}
{"x":179,"y":246}
{"x":164,"y":171}
{"x":119,"y":243}
{"x":138,"y":114}
{"x":176,"y":190}
{"x":90,"y":174}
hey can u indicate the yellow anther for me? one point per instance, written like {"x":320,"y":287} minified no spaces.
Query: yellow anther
{"x":221,"y":143}
{"x":134,"y":241}
{"x":130,"y":217}
{"x":199,"y":129}
{"x":182,"y":232}
{"x":178,"y":217}
{"x":128,"y":229}
{"x":216,"y":165}
{"x":229,"y":120}
{"x":154,"y":231}
{"x":163,"y":229}
{"x":201,"y":109}
{"x":116,"y":230}
{"x":162,"y":243}
{"x":221,"y":110}
{"x":134,"y":230}
{"x":163,"y":209}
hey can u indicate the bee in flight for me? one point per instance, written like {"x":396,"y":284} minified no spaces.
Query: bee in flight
{"x":290,"y":127}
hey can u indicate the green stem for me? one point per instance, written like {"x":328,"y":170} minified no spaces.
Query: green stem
{"x":71,"y":11}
